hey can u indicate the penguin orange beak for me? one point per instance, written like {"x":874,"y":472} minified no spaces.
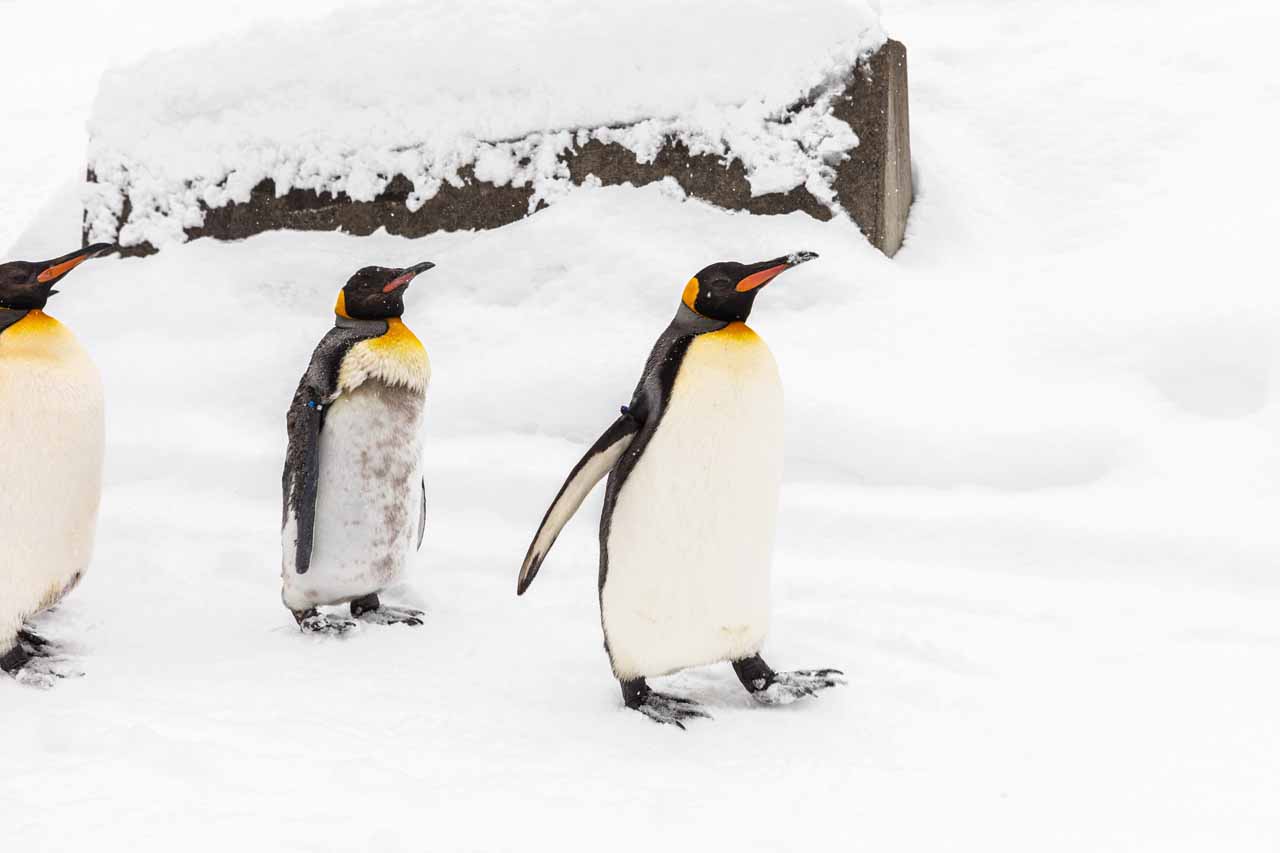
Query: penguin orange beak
{"x":758,"y":275}
{"x":407,"y":275}
{"x":58,"y":267}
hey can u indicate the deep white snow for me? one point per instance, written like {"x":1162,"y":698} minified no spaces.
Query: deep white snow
{"x":1029,"y":506}
{"x":425,"y":88}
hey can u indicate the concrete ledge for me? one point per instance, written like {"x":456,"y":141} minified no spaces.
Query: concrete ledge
{"x":873,"y":185}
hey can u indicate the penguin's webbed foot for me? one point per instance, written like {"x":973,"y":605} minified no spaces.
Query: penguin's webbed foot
{"x":392,"y":616}
{"x":36,"y":662}
{"x":370,"y":609}
{"x":787,"y":687}
{"x":783,"y":688}
{"x":665,"y":708}
{"x":44,"y":671}
{"x":660,"y":707}
{"x":314,"y":622}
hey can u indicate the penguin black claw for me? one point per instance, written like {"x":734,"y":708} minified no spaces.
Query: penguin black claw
{"x":665,"y":708}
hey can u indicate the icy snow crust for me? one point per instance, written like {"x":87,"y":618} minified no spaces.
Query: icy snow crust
{"x":425,"y":89}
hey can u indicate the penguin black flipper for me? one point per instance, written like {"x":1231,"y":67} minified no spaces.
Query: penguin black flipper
{"x":316,"y":390}
{"x":594,"y":465}
{"x":617,"y":450}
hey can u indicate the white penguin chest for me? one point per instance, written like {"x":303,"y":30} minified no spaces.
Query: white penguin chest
{"x":368,"y":499}
{"x":51,"y":444}
{"x":691,"y":535}
{"x":370,"y":448}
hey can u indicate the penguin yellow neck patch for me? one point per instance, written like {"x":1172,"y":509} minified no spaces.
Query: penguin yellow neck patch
{"x":396,"y":358}
{"x":37,"y":336}
{"x":35,"y":323}
{"x":739,"y":333}
{"x":35,"y":329}
{"x":734,"y":353}
{"x":340,"y":307}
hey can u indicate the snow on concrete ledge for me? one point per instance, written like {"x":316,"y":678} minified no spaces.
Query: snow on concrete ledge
{"x":434,"y":115}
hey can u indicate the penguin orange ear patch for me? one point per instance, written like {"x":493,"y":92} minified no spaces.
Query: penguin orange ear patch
{"x":756,"y":279}
{"x":341,"y":307}
{"x":690,"y":293}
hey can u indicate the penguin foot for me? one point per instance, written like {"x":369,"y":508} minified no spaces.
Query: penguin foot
{"x":787,"y":687}
{"x":45,"y":671}
{"x":660,"y":707}
{"x":370,"y":609}
{"x":783,"y":688}
{"x":392,"y":616}
{"x":36,"y":662}
{"x":665,"y":708}
{"x":314,"y":622}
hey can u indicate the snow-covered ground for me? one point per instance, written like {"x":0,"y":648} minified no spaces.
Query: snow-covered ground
{"x":1030,"y":501}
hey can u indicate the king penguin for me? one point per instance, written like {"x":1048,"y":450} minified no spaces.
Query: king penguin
{"x":51,"y":438}
{"x":355,"y":505}
{"x":686,"y":535}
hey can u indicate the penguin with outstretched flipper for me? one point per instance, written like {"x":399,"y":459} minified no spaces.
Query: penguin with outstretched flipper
{"x":686,"y":535}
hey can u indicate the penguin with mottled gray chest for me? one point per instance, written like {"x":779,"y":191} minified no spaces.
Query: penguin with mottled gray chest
{"x":51,"y":441}
{"x":686,"y":535}
{"x":354,"y":497}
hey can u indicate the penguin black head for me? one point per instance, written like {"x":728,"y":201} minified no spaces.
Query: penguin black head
{"x":377,"y":293}
{"x":726,"y":291}
{"x":27,"y":285}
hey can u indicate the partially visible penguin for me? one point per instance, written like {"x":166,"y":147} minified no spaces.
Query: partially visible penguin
{"x":354,"y":498}
{"x":51,"y":438}
{"x":686,"y":535}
